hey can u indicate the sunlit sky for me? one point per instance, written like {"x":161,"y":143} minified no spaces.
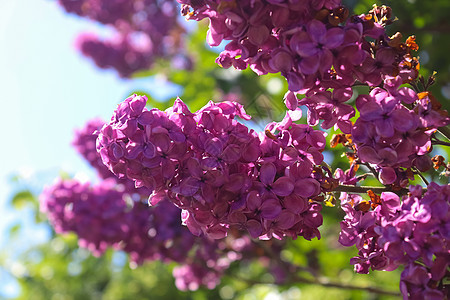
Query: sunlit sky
{"x":47,"y":90}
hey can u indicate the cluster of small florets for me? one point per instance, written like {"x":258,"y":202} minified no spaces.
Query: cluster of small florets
{"x":95,"y":213}
{"x":391,"y":135}
{"x":218,"y":171}
{"x":395,"y":233}
{"x":111,"y":214}
{"x":104,"y":216}
{"x":84,"y":143}
{"x":313,"y":44}
{"x":144,"y":30}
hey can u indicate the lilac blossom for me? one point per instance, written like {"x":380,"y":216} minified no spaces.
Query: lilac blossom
{"x":390,"y":135}
{"x":400,"y":233}
{"x":221,"y":174}
{"x":144,"y":31}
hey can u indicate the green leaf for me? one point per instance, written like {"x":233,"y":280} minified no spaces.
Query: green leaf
{"x":14,"y":230}
{"x":23,"y":198}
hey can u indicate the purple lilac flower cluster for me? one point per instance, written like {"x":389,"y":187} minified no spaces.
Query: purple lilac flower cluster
{"x":144,"y":31}
{"x":105,"y":216}
{"x":313,"y":44}
{"x":111,"y":214}
{"x":394,"y":128}
{"x":220,"y":173}
{"x":300,"y":39}
{"x":84,"y":143}
{"x":413,"y":232}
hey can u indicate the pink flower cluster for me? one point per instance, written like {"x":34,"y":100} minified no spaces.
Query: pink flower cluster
{"x":112,"y":214}
{"x":84,"y":143}
{"x":220,"y":173}
{"x":144,"y":31}
{"x":389,"y":134}
{"x":105,"y":216}
{"x":313,"y":44}
{"x":397,"y":233}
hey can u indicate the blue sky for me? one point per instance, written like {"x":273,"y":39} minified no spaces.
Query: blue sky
{"x":46,"y":90}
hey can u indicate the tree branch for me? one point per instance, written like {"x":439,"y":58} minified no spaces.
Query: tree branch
{"x":294,"y":278}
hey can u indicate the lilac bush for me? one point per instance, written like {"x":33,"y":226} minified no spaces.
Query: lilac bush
{"x":238,"y":190}
{"x":114,"y":214}
{"x":222,"y":174}
{"x":144,"y":31}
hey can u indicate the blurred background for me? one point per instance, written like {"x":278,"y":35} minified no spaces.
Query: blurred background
{"x":48,"y":89}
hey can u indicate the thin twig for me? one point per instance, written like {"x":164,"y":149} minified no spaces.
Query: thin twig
{"x":365,"y":189}
{"x":438,"y":142}
{"x":421,"y":176}
{"x":374,"y":172}
{"x":323,"y":281}
{"x":445,"y":131}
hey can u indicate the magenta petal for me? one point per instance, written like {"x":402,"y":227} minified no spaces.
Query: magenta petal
{"x":214,"y":146}
{"x":133,"y":150}
{"x":204,"y":217}
{"x":317,"y":139}
{"x":236,"y":182}
{"x":368,"y":154}
{"x":403,"y":120}
{"x":254,"y":228}
{"x":295,"y":81}
{"x":289,"y":155}
{"x":161,"y":141}
{"x":317,"y":31}
{"x":189,"y":186}
{"x":387,"y":175}
{"x":117,"y":151}
{"x":138,"y":103}
{"x":267,"y":173}
{"x":149,"y":150}
{"x":307,"y":187}
{"x":157,"y":197}
{"x":237,"y":217}
{"x":388,"y":155}
{"x":168,"y":169}
{"x":407,"y":95}
{"x":334,"y":37}
{"x":192,"y":225}
{"x":213,"y":38}
{"x":177,"y":136}
{"x":313,"y":219}
{"x":291,"y":100}
{"x":295,"y":203}
{"x":251,"y":152}
{"x":270,"y":209}
{"x":231,"y":154}
{"x":391,"y":200}
{"x":217,"y":232}
{"x":210,"y":162}
{"x":285,"y":220}
{"x":283,"y":186}
{"x":326,"y":60}
{"x":370,"y":111}
{"x":309,"y":65}
{"x":253,"y":201}
{"x":194,"y":168}
{"x":146,"y":118}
